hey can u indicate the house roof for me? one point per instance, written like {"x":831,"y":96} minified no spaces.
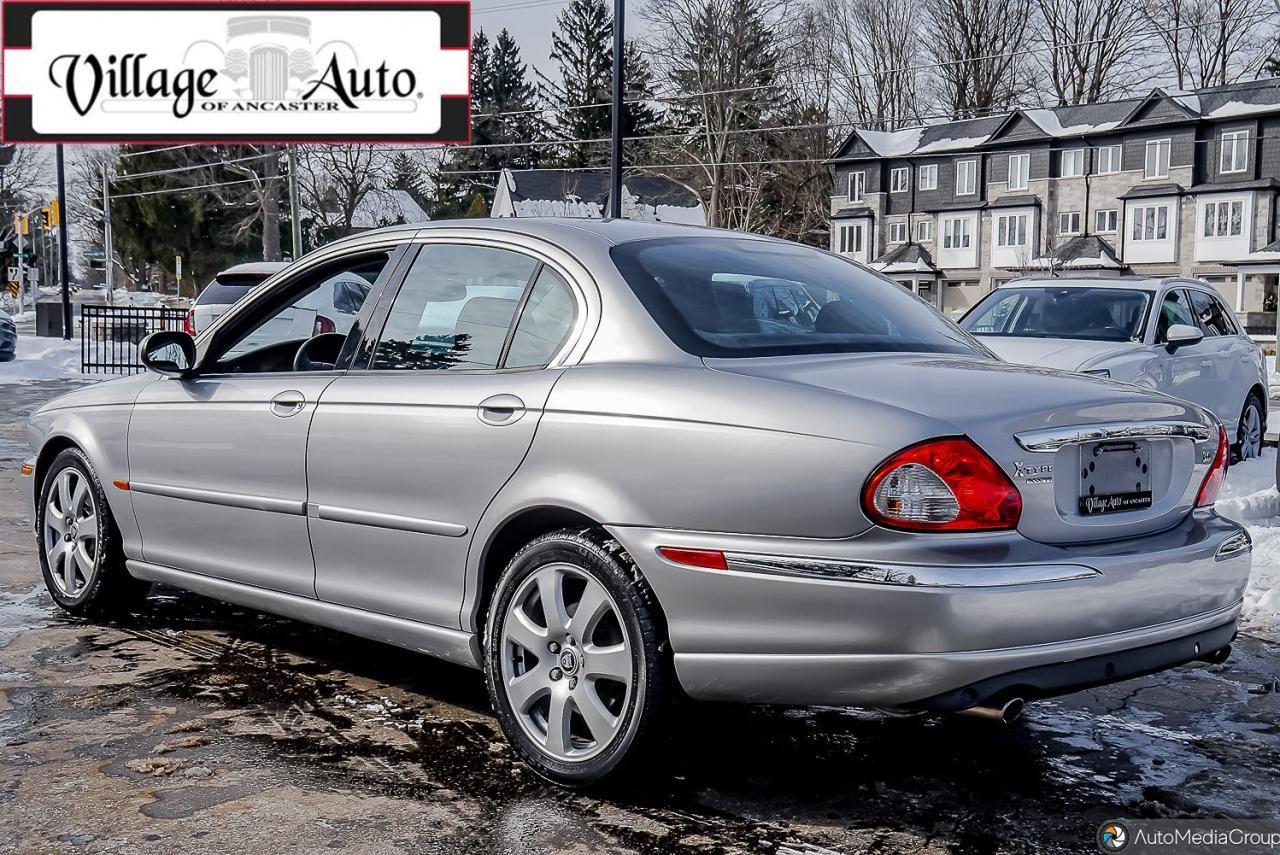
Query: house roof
{"x":1152,"y":191}
{"x":1019,"y":201}
{"x":591,"y":187}
{"x":852,"y":213}
{"x":1086,"y":252}
{"x":1269,"y":255}
{"x":1246,"y":98}
{"x":907,"y":258}
{"x":379,"y":207}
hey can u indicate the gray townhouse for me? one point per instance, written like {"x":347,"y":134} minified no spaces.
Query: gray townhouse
{"x":1173,"y":183}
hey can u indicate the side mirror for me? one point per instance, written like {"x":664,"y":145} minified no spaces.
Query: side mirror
{"x":349,"y":296}
{"x":1181,"y":335}
{"x":169,"y":352}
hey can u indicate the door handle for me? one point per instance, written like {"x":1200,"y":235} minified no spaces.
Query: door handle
{"x":500,"y":410}
{"x":288,"y":403}
{"x":1206,"y":363}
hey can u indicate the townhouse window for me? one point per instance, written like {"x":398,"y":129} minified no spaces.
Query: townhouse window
{"x":1019,"y":171}
{"x":1150,"y":222}
{"x":924,"y":231}
{"x":957,"y":233}
{"x":1011,"y":229}
{"x":857,"y":186}
{"x":1071,"y":163}
{"x":1107,"y":158}
{"x":852,"y":238}
{"x":1158,"y":158}
{"x":1223,"y":219}
{"x":966,"y":177}
{"x":898,"y":233}
{"x":1235,"y":152}
{"x":898,"y":180}
{"x":1105,"y":221}
{"x":928,"y":176}
{"x":1069,"y":223}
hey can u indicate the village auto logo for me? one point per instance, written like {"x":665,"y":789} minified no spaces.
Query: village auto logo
{"x":255,"y":71}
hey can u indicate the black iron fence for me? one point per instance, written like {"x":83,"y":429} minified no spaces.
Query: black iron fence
{"x":109,"y":335}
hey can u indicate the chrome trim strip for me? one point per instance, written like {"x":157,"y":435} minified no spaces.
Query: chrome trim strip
{"x":380,"y":520}
{"x":214,"y":497}
{"x":1052,"y":439}
{"x":906,"y":575}
{"x":1237,"y":544}
{"x":452,"y":645}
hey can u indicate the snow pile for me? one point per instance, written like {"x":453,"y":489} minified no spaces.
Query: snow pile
{"x":41,"y":358}
{"x":892,"y":143}
{"x":1250,"y":498}
{"x":123,"y":297}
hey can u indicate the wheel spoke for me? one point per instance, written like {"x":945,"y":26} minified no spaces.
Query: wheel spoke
{"x":559,"y":716}
{"x":613,"y":662}
{"x":83,"y":559}
{"x":89,"y":526}
{"x":54,"y":519}
{"x":69,"y":568}
{"x":521,"y":630}
{"x":527,"y":688}
{"x":77,"y":497}
{"x":64,"y":492}
{"x":599,"y":720}
{"x":593,"y":606}
{"x":551,"y":592}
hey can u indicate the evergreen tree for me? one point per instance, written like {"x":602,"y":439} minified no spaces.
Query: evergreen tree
{"x":582,"y":46}
{"x":407,"y":175}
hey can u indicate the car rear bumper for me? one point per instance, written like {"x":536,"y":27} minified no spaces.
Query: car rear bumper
{"x":806,"y":621}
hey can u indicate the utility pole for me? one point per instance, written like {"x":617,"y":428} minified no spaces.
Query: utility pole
{"x":64,"y":264}
{"x":22,"y":262}
{"x":615,"y":142}
{"x":295,"y":223}
{"x":108,"y":264}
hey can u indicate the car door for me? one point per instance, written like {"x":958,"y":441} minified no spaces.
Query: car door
{"x":217,"y":461}
{"x":1181,"y":372}
{"x":1227,"y":372}
{"x":407,"y":452}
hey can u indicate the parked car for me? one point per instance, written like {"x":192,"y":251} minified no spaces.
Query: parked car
{"x":1171,"y":335}
{"x":225,"y":290}
{"x":8,"y":337}
{"x":574,"y":455}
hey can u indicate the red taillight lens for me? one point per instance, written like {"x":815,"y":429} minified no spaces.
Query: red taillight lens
{"x":1217,"y":473}
{"x":708,"y":559}
{"x":189,"y":323}
{"x":942,"y":485}
{"x":323,"y":325}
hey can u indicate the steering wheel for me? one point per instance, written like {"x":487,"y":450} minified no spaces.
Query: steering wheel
{"x":319,"y":353}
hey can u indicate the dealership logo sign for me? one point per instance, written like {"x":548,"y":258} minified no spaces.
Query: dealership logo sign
{"x":255,"y":71}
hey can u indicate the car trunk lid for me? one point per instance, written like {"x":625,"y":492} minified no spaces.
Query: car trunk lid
{"x":1043,"y":427}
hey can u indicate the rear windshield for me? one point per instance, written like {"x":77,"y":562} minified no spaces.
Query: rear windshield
{"x":221,"y":292}
{"x":731,"y":297}
{"x":1095,"y":314}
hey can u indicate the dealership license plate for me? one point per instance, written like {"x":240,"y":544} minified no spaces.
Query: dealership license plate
{"x":1114,"y":477}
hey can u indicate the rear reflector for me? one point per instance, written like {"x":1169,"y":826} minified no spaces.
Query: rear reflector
{"x":1217,"y":473}
{"x":26,"y":469}
{"x":708,"y":559}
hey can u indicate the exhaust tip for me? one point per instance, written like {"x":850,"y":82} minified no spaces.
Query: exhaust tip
{"x":1006,"y":713}
{"x":1217,"y":657}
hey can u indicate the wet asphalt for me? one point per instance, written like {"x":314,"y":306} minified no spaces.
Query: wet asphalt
{"x":192,"y":726}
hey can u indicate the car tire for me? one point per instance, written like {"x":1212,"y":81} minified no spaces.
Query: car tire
{"x":1249,"y":434}
{"x":579,"y":707}
{"x":81,"y":559}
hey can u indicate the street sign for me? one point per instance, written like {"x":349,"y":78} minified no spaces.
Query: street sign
{"x":33,"y":276}
{"x":94,"y":254}
{"x":22,"y":256}
{"x":13,"y":274}
{"x":177,"y":266}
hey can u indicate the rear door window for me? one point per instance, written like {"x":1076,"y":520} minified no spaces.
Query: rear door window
{"x":1210,"y":315}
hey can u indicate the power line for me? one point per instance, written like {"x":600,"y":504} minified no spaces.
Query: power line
{"x":128,"y":154}
{"x":174,"y":171}
{"x":186,"y":189}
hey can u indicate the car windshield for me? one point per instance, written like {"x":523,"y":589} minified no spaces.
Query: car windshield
{"x":225,"y":291}
{"x":731,"y":297}
{"x":1094,"y":314}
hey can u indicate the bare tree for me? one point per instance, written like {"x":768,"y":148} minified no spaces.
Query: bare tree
{"x":257,"y":193}
{"x":980,"y":48}
{"x":1090,"y":50}
{"x":1210,"y":42}
{"x":877,"y":46}
{"x":333,"y":181}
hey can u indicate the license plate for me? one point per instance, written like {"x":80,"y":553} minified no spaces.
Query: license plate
{"x":1114,"y":477}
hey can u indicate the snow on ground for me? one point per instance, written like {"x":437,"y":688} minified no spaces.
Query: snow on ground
{"x":40,"y":358}
{"x":1250,"y":498}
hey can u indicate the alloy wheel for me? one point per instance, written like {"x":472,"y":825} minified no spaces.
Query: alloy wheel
{"x":1250,"y":432}
{"x":566,"y":662}
{"x":70,"y":535}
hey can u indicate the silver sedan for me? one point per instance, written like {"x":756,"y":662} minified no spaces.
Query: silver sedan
{"x":606,"y":462}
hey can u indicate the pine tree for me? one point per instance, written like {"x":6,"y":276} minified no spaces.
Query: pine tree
{"x":406,"y":175}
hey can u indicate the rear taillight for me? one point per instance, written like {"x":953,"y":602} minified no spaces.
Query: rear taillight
{"x":707,"y":559}
{"x":323,"y":325}
{"x":1217,"y":473}
{"x":942,"y":485}
{"x":189,"y":323}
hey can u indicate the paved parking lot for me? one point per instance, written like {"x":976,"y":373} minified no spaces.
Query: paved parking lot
{"x":197,"y":727}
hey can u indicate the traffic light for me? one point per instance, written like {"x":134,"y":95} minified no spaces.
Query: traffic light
{"x":46,"y":218}
{"x":24,"y":225}
{"x":55,"y":213}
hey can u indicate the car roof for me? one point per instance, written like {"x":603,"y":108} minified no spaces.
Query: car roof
{"x":250,"y":268}
{"x":1134,"y":283}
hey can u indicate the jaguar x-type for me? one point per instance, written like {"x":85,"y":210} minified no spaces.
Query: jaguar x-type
{"x":605,"y":462}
